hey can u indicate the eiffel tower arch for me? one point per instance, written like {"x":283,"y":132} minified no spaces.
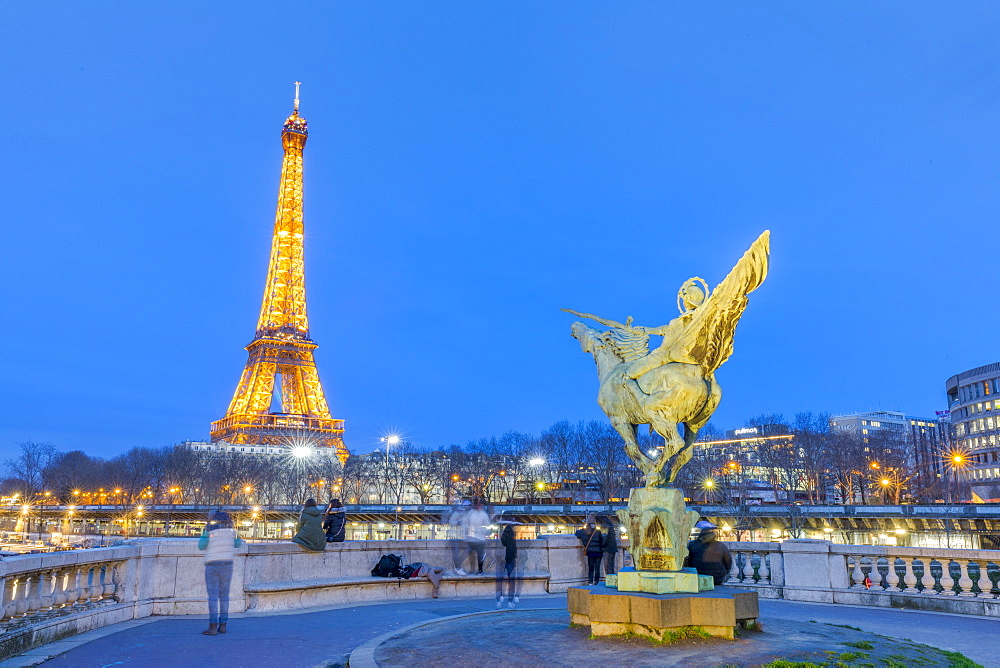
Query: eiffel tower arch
{"x":279,"y":399}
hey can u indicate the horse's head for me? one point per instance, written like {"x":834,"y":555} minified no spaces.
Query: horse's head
{"x":583,"y":334}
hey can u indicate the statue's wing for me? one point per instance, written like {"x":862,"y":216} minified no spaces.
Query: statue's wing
{"x":708,"y":337}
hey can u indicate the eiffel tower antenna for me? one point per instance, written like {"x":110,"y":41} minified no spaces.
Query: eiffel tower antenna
{"x":282,"y":351}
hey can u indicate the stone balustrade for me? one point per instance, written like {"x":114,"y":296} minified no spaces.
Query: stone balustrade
{"x":959,"y":581}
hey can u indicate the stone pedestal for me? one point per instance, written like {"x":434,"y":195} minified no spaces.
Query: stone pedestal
{"x":662,"y":617}
{"x":658,"y":527}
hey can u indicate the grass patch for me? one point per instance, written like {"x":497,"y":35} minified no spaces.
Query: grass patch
{"x":959,"y":660}
{"x":781,"y":663}
{"x":860,"y":644}
{"x":851,"y":656}
{"x":845,"y":626}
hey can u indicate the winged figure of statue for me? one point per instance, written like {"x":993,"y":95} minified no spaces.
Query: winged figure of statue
{"x":672,"y":386}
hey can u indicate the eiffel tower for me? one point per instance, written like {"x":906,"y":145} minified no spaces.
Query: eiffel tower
{"x":279,"y":400}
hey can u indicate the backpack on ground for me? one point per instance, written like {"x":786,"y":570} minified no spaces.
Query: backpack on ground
{"x":388,"y":566}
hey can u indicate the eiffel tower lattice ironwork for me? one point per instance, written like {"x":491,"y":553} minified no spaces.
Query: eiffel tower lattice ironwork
{"x":281,"y":359}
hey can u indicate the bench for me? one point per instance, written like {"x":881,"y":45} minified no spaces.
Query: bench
{"x":296,"y":594}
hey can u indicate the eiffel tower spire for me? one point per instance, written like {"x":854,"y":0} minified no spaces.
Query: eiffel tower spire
{"x":281,"y":363}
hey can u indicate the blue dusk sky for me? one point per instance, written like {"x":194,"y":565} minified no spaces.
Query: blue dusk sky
{"x":471,"y":168}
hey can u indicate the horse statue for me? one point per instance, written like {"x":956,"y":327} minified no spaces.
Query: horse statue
{"x":672,"y":386}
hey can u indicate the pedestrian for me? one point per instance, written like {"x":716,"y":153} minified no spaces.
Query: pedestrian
{"x":610,"y":548}
{"x":593,"y":546}
{"x":219,"y":542}
{"x":707,"y":555}
{"x":309,"y":532}
{"x":475,"y":522}
{"x":335,"y":521}
{"x":456,"y":535}
{"x":508,"y":569}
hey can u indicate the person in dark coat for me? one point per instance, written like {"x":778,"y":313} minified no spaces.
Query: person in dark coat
{"x":707,"y":555}
{"x":310,"y":528}
{"x":507,"y":570}
{"x":610,"y":548}
{"x":593,"y":545}
{"x":335,"y":521}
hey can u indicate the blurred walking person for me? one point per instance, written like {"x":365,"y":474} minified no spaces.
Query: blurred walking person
{"x":456,"y":534}
{"x":475,"y":524}
{"x":507,"y":567}
{"x":219,"y":542}
{"x":610,"y":548}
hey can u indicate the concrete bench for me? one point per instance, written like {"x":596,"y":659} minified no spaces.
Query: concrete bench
{"x":295,"y":594}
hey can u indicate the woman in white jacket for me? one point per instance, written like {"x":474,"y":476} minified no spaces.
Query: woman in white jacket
{"x":219,"y":542}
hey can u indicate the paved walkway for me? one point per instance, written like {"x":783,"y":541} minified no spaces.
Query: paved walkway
{"x":326,"y":637}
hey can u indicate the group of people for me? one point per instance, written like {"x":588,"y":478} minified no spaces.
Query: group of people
{"x":468,"y":526}
{"x":599,"y":546}
{"x":706,"y":554}
{"x":317,"y":528}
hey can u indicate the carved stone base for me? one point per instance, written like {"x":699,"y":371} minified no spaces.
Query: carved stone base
{"x":658,"y":526}
{"x":663,"y":582}
{"x":663,"y":617}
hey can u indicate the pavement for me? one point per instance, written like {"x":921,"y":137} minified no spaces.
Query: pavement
{"x":326,"y":637}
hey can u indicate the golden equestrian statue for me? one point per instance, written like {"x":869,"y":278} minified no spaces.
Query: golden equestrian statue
{"x":673,"y":385}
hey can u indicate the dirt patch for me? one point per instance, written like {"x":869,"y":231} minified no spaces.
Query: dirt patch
{"x":545,"y":638}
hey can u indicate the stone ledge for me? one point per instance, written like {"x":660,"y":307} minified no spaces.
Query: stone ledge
{"x":270,"y":587}
{"x":337,"y":591}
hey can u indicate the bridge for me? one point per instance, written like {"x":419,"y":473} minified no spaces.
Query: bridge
{"x":934,"y":525}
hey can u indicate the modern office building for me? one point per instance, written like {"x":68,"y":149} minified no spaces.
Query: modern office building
{"x":920,"y":441}
{"x":974,"y":402}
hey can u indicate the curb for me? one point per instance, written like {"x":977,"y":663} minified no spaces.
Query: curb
{"x":363,"y":656}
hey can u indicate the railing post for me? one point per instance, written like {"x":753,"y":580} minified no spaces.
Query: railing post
{"x":927,"y":580}
{"x":964,"y":581}
{"x":858,"y":575}
{"x":909,"y":577}
{"x":763,"y":572}
{"x":9,"y":604}
{"x":985,"y":584}
{"x":891,"y":576}
{"x":748,"y":567}
{"x":734,"y":572}
{"x":947,"y":582}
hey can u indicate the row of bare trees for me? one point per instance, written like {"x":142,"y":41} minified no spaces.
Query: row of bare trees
{"x":815,"y":464}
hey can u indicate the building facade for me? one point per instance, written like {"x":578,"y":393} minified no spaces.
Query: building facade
{"x":974,"y":402}
{"x":918,"y":443}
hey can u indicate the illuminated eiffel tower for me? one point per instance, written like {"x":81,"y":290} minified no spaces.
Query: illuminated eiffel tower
{"x":281,"y":368}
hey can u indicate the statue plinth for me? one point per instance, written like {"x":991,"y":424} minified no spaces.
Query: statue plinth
{"x":658,"y":526}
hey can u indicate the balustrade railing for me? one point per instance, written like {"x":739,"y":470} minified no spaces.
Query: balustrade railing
{"x":32,"y":593}
{"x":964,"y":573}
{"x":755,"y":564}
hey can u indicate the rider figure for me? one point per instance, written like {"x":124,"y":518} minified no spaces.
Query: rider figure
{"x":632,"y":341}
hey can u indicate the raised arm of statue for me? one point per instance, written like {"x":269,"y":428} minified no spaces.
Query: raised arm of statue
{"x":628,"y":326}
{"x":603,"y":321}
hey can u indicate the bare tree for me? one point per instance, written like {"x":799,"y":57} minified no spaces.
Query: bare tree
{"x":30,"y":465}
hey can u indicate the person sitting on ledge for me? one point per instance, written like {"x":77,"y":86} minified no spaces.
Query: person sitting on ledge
{"x":310,"y":533}
{"x":707,"y":555}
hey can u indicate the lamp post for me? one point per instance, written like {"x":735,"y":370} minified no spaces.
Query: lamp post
{"x":956,"y":461}
{"x":390,"y":441}
{"x":537,"y":463}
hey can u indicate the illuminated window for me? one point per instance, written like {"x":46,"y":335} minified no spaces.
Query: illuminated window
{"x":986,"y":388}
